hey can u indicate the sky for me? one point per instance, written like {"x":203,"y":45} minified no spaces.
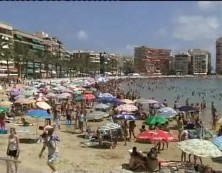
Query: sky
{"x":117,"y":27}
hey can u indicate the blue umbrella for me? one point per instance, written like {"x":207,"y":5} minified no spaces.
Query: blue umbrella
{"x":125,"y":116}
{"x":218,"y":142}
{"x":38,"y":113}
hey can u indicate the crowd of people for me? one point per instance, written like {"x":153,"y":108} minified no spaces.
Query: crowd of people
{"x":75,"y":114}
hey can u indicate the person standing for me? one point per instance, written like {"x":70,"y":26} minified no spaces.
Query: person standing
{"x":50,"y":142}
{"x":56,"y":117}
{"x":13,"y":149}
{"x":132,"y":126}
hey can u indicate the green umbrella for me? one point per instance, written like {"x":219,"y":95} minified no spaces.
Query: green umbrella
{"x":3,"y":109}
{"x":152,"y":120}
{"x":93,"y":89}
{"x":78,"y":92}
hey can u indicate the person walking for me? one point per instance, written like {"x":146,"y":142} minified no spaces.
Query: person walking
{"x":13,"y":150}
{"x":50,"y":142}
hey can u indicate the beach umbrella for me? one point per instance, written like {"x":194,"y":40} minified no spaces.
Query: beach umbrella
{"x":152,"y":120}
{"x":127,"y":108}
{"x":6,"y":103}
{"x":16,"y":91}
{"x":93,"y":89}
{"x":101,"y":106}
{"x":42,"y":99}
{"x":186,"y":108}
{"x":106,"y":95}
{"x":167,"y":114}
{"x":79,"y":98}
{"x":43,"y":105}
{"x":109,"y":127}
{"x":22,"y":101}
{"x":167,"y":109}
{"x":67,"y":91}
{"x":127,"y":101}
{"x":155,"y":135}
{"x":78,"y":92}
{"x":126,"y":117}
{"x":88,"y":92}
{"x":96,"y":115}
{"x":200,"y":147}
{"x":3,"y":109}
{"x":89,"y":97}
{"x":38,"y":113}
{"x":51,"y":95}
{"x":218,"y":142}
{"x":19,"y":96}
{"x":63,"y":95}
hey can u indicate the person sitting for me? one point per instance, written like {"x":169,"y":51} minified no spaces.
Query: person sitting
{"x":152,"y":160}
{"x":24,"y":122}
{"x":143,"y":128}
{"x":219,"y":131}
{"x":137,"y":160}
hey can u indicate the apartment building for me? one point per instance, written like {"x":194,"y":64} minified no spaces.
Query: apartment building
{"x":200,"y":61}
{"x":7,"y":67}
{"x":182,"y":62}
{"x":219,"y":56}
{"x":152,"y":60}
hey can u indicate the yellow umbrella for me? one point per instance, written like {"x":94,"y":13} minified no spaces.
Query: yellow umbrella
{"x":6,"y":103}
{"x":43,"y":105}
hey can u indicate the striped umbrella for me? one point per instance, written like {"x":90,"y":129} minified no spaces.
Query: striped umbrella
{"x":127,"y":108}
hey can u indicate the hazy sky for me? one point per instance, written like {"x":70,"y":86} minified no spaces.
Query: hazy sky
{"x":119,"y":26}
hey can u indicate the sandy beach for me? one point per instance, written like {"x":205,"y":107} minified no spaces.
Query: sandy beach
{"x":74,"y":156}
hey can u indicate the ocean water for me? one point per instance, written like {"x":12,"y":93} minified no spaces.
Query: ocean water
{"x":194,"y":89}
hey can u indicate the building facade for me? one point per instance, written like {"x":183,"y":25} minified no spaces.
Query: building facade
{"x":200,"y":61}
{"x":182,"y":63}
{"x":151,"y":60}
{"x":219,"y":55}
{"x":7,"y":67}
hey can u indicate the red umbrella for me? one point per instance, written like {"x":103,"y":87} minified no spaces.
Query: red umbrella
{"x":89,"y":97}
{"x":155,"y":135}
{"x":88,"y":92}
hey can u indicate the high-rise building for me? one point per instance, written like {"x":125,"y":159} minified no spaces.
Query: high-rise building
{"x":151,"y":60}
{"x":219,"y":55}
{"x":200,"y":61}
{"x":182,"y":63}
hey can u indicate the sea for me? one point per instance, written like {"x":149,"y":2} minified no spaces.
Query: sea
{"x":194,"y":89}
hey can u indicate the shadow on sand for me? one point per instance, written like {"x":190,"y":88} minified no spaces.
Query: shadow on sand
{"x":28,"y":140}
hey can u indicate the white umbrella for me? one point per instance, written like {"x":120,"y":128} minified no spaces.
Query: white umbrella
{"x":200,"y":147}
{"x":127,"y":108}
{"x":43,"y":105}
